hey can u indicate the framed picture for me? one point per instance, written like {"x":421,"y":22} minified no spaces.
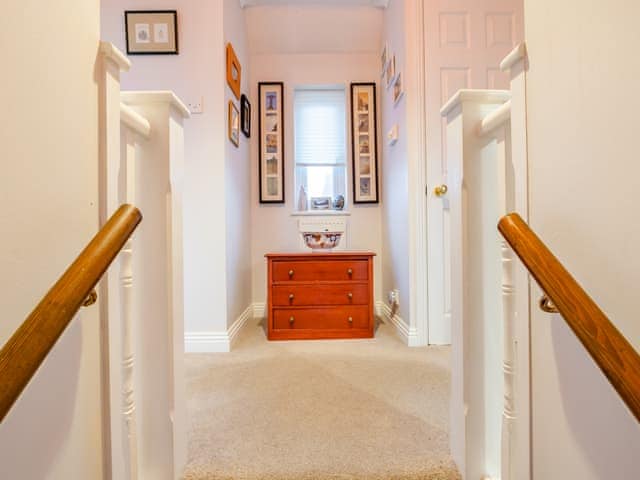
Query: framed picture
{"x":151,"y":32}
{"x":390,"y":71}
{"x":271,"y":131}
{"x":234,"y":124}
{"x":245,"y":116}
{"x":234,"y":71}
{"x":384,"y":59}
{"x":398,"y":89}
{"x":364,"y":143}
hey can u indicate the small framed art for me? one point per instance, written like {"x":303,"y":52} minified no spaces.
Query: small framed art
{"x":271,"y":131}
{"x":390,"y":71}
{"x":151,"y":32}
{"x":364,"y":143}
{"x":234,"y":124}
{"x":234,"y":71}
{"x":398,"y":89}
{"x":245,"y":116}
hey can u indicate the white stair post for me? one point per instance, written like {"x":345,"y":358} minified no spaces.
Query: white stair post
{"x":134,"y":128}
{"x":111,"y":290}
{"x":476,"y":389}
{"x":158,"y":269}
{"x":516,"y":452}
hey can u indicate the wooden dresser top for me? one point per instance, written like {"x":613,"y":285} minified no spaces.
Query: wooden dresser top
{"x":320,"y":255}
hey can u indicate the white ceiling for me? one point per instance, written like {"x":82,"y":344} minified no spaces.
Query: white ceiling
{"x":313,"y":28}
{"x":361,"y":3}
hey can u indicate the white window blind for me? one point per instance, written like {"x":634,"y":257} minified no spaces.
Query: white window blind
{"x":320,"y":141}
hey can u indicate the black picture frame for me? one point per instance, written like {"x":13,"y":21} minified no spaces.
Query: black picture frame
{"x":271,"y":115}
{"x":366,"y":134}
{"x":131,"y":45}
{"x":245,"y":116}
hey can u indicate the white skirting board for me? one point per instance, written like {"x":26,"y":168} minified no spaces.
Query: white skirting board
{"x":408,"y":335}
{"x":214,"y":342}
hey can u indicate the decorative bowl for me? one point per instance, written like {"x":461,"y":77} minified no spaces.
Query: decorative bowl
{"x":321,"y":240}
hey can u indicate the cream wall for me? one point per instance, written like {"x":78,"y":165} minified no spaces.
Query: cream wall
{"x":275,"y":229}
{"x":395,"y":165}
{"x":584,"y":180}
{"x":49,"y":138}
{"x":237,"y":174}
{"x":216,"y":196}
{"x":312,"y":44}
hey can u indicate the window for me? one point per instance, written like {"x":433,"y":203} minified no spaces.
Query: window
{"x":320,"y":146}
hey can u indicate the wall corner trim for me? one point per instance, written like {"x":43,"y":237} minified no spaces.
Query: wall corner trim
{"x":408,"y":335}
{"x":217,"y":342}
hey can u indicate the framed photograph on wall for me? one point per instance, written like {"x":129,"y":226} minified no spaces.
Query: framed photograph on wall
{"x":398,"y":89}
{"x":151,"y":32}
{"x":364,"y":142}
{"x":271,"y":131}
{"x":390,"y":71}
{"x":234,"y":71}
{"x":234,"y":124}
{"x":245,"y":116}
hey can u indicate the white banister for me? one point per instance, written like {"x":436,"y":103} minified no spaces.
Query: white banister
{"x":517,"y":55}
{"x":159,"y":286}
{"x":134,"y":120}
{"x":133,"y":127}
{"x":110,"y":52}
{"x":495,"y":119}
{"x":476,"y":353}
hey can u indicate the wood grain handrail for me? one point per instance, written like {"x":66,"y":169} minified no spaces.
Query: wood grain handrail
{"x":27,"y":348}
{"x":607,"y":346}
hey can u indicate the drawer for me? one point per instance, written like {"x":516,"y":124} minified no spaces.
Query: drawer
{"x":336,"y":294}
{"x":325,"y":270}
{"x":320,"y":318}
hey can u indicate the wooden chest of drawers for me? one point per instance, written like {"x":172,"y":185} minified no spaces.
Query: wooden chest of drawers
{"x":320,"y":295}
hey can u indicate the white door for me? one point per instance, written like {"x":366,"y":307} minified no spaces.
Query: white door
{"x":465,"y":40}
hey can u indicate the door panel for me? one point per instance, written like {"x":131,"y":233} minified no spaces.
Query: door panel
{"x":464,"y":43}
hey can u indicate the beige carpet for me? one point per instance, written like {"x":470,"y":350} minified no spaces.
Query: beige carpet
{"x":345,"y":409}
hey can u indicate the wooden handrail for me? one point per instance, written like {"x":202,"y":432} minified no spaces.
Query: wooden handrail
{"x":27,"y":348}
{"x":606,"y":345}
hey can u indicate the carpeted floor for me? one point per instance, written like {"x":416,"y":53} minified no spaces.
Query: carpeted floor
{"x":345,"y":409}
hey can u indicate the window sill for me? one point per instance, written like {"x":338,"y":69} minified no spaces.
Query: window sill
{"x":321,"y":213}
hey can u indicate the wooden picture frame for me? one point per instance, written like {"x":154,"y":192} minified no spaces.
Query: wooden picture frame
{"x":364,"y":143}
{"x":271,"y":131}
{"x":398,"y":89}
{"x":234,"y":124}
{"x":151,"y":32}
{"x":245,"y":116}
{"x":390,"y":71}
{"x":234,"y":71}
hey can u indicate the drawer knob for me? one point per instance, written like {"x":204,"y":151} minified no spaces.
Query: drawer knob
{"x":350,"y":296}
{"x":290,"y":273}
{"x":291,"y":297}
{"x":349,"y":271}
{"x":291,"y":320}
{"x":350,"y":319}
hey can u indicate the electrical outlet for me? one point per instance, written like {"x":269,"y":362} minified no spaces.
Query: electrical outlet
{"x":196,"y":106}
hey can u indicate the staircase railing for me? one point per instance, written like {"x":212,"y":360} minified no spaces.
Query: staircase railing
{"x":27,"y":348}
{"x":607,"y":346}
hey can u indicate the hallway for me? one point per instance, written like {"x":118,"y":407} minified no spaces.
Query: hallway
{"x":372,"y":409}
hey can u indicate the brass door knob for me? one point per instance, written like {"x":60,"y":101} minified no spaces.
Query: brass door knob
{"x":441,"y":190}
{"x":291,"y":297}
{"x":350,"y":296}
{"x":349,"y":271}
{"x":290,"y":273}
{"x":350,"y":319}
{"x":291,"y":320}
